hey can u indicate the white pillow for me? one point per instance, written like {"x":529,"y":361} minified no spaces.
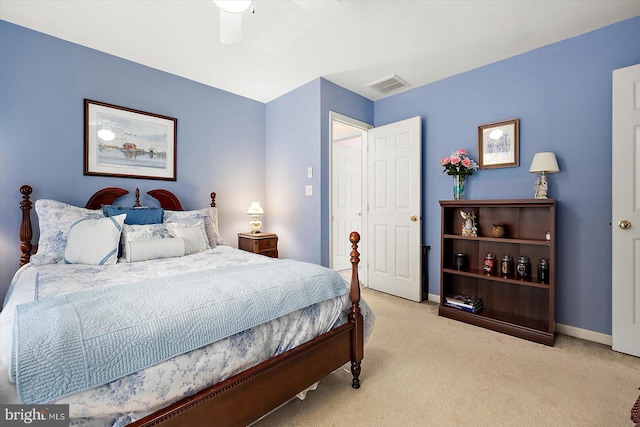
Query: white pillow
{"x":210,"y":216}
{"x":195,"y":238}
{"x":142,"y":250}
{"x":94,"y":241}
{"x":54,"y":221}
{"x":142,"y":232}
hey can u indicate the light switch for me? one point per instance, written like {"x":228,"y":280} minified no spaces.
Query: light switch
{"x":308,"y":190}
{"x":309,"y":172}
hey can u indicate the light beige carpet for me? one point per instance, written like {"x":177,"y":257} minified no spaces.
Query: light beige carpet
{"x":424,"y":370}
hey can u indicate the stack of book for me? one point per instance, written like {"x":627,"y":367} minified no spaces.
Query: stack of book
{"x":464,"y":302}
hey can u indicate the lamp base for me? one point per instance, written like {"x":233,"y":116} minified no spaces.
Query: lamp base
{"x":541,"y":187}
{"x":255,"y":225}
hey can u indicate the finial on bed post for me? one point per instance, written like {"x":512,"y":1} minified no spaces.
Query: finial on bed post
{"x":26,"y":231}
{"x":213,"y":200}
{"x":137,"y":203}
{"x":354,"y":238}
{"x":355,"y":316}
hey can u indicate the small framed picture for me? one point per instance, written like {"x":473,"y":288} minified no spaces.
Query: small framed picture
{"x":128,"y":143}
{"x":498,"y":144}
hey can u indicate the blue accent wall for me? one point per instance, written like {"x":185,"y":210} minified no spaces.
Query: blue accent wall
{"x":292,"y":145}
{"x":562,"y":95}
{"x":298,"y":128}
{"x":43,"y":81}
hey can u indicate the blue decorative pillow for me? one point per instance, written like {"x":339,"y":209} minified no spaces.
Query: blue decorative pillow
{"x":136,"y":216}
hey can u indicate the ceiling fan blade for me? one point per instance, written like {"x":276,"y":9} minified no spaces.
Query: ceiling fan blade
{"x":230,"y":27}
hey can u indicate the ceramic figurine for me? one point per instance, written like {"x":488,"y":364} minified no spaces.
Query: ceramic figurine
{"x":469,"y":227}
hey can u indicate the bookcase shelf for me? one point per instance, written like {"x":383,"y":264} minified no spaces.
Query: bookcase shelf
{"x":480,"y":274}
{"x":501,"y":240}
{"x":522,"y":307}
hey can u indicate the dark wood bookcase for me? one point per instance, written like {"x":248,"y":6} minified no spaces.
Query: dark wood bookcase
{"x":523,"y":308}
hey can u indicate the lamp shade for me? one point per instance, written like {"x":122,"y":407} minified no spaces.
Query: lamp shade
{"x":255,"y":209}
{"x":544,"y":162}
{"x":233,"y":6}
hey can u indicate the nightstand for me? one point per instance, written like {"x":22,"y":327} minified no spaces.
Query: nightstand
{"x":259,"y":243}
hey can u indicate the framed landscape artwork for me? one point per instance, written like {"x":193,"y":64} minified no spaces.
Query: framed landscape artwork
{"x":498,"y":144}
{"x":128,"y":143}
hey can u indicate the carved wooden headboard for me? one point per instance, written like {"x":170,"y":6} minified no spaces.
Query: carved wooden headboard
{"x":104,"y":196}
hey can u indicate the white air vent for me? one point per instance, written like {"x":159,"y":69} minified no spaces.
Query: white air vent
{"x":388,"y":84}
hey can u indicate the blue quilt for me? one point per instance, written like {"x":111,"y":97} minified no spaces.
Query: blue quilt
{"x":73,"y":342}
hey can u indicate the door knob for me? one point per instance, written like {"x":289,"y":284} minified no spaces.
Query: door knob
{"x":414,"y":218}
{"x":624,"y":224}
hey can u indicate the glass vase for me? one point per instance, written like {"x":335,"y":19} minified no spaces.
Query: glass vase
{"x":458,"y":187}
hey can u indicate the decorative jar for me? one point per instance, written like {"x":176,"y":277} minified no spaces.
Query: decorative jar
{"x":543,"y":270}
{"x":489,"y":265}
{"x":460,"y":261}
{"x":523,"y":269}
{"x":497,"y":230}
{"x":506,"y":266}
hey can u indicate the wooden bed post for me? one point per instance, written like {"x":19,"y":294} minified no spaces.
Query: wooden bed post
{"x":355,"y":316}
{"x":26,"y":232}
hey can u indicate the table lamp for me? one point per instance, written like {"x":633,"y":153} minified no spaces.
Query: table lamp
{"x":543,"y":163}
{"x":255,"y":210}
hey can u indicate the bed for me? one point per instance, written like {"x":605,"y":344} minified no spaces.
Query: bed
{"x":254,"y":373}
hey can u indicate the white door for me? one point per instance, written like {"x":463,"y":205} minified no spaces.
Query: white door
{"x":626,"y":211}
{"x":346,"y":182}
{"x":348,"y":139}
{"x":394,"y":209}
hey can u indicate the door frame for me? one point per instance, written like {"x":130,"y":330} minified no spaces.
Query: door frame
{"x":364,"y":127}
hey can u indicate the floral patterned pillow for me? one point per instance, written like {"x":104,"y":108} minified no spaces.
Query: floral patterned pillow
{"x":55,"y":220}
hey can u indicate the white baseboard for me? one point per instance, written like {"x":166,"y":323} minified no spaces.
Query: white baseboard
{"x":584,"y":334}
{"x":571,"y":331}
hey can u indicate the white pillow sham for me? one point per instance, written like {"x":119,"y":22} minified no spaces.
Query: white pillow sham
{"x":54,"y":221}
{"x":194,"y":235}
{"x":94,"y":241}
{"x":210,"y":216}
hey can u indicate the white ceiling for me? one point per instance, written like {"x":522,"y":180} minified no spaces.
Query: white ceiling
{"x":287,"y":43}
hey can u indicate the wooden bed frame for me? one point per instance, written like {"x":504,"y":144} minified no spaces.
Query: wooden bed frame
{"x":251,"y":394}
